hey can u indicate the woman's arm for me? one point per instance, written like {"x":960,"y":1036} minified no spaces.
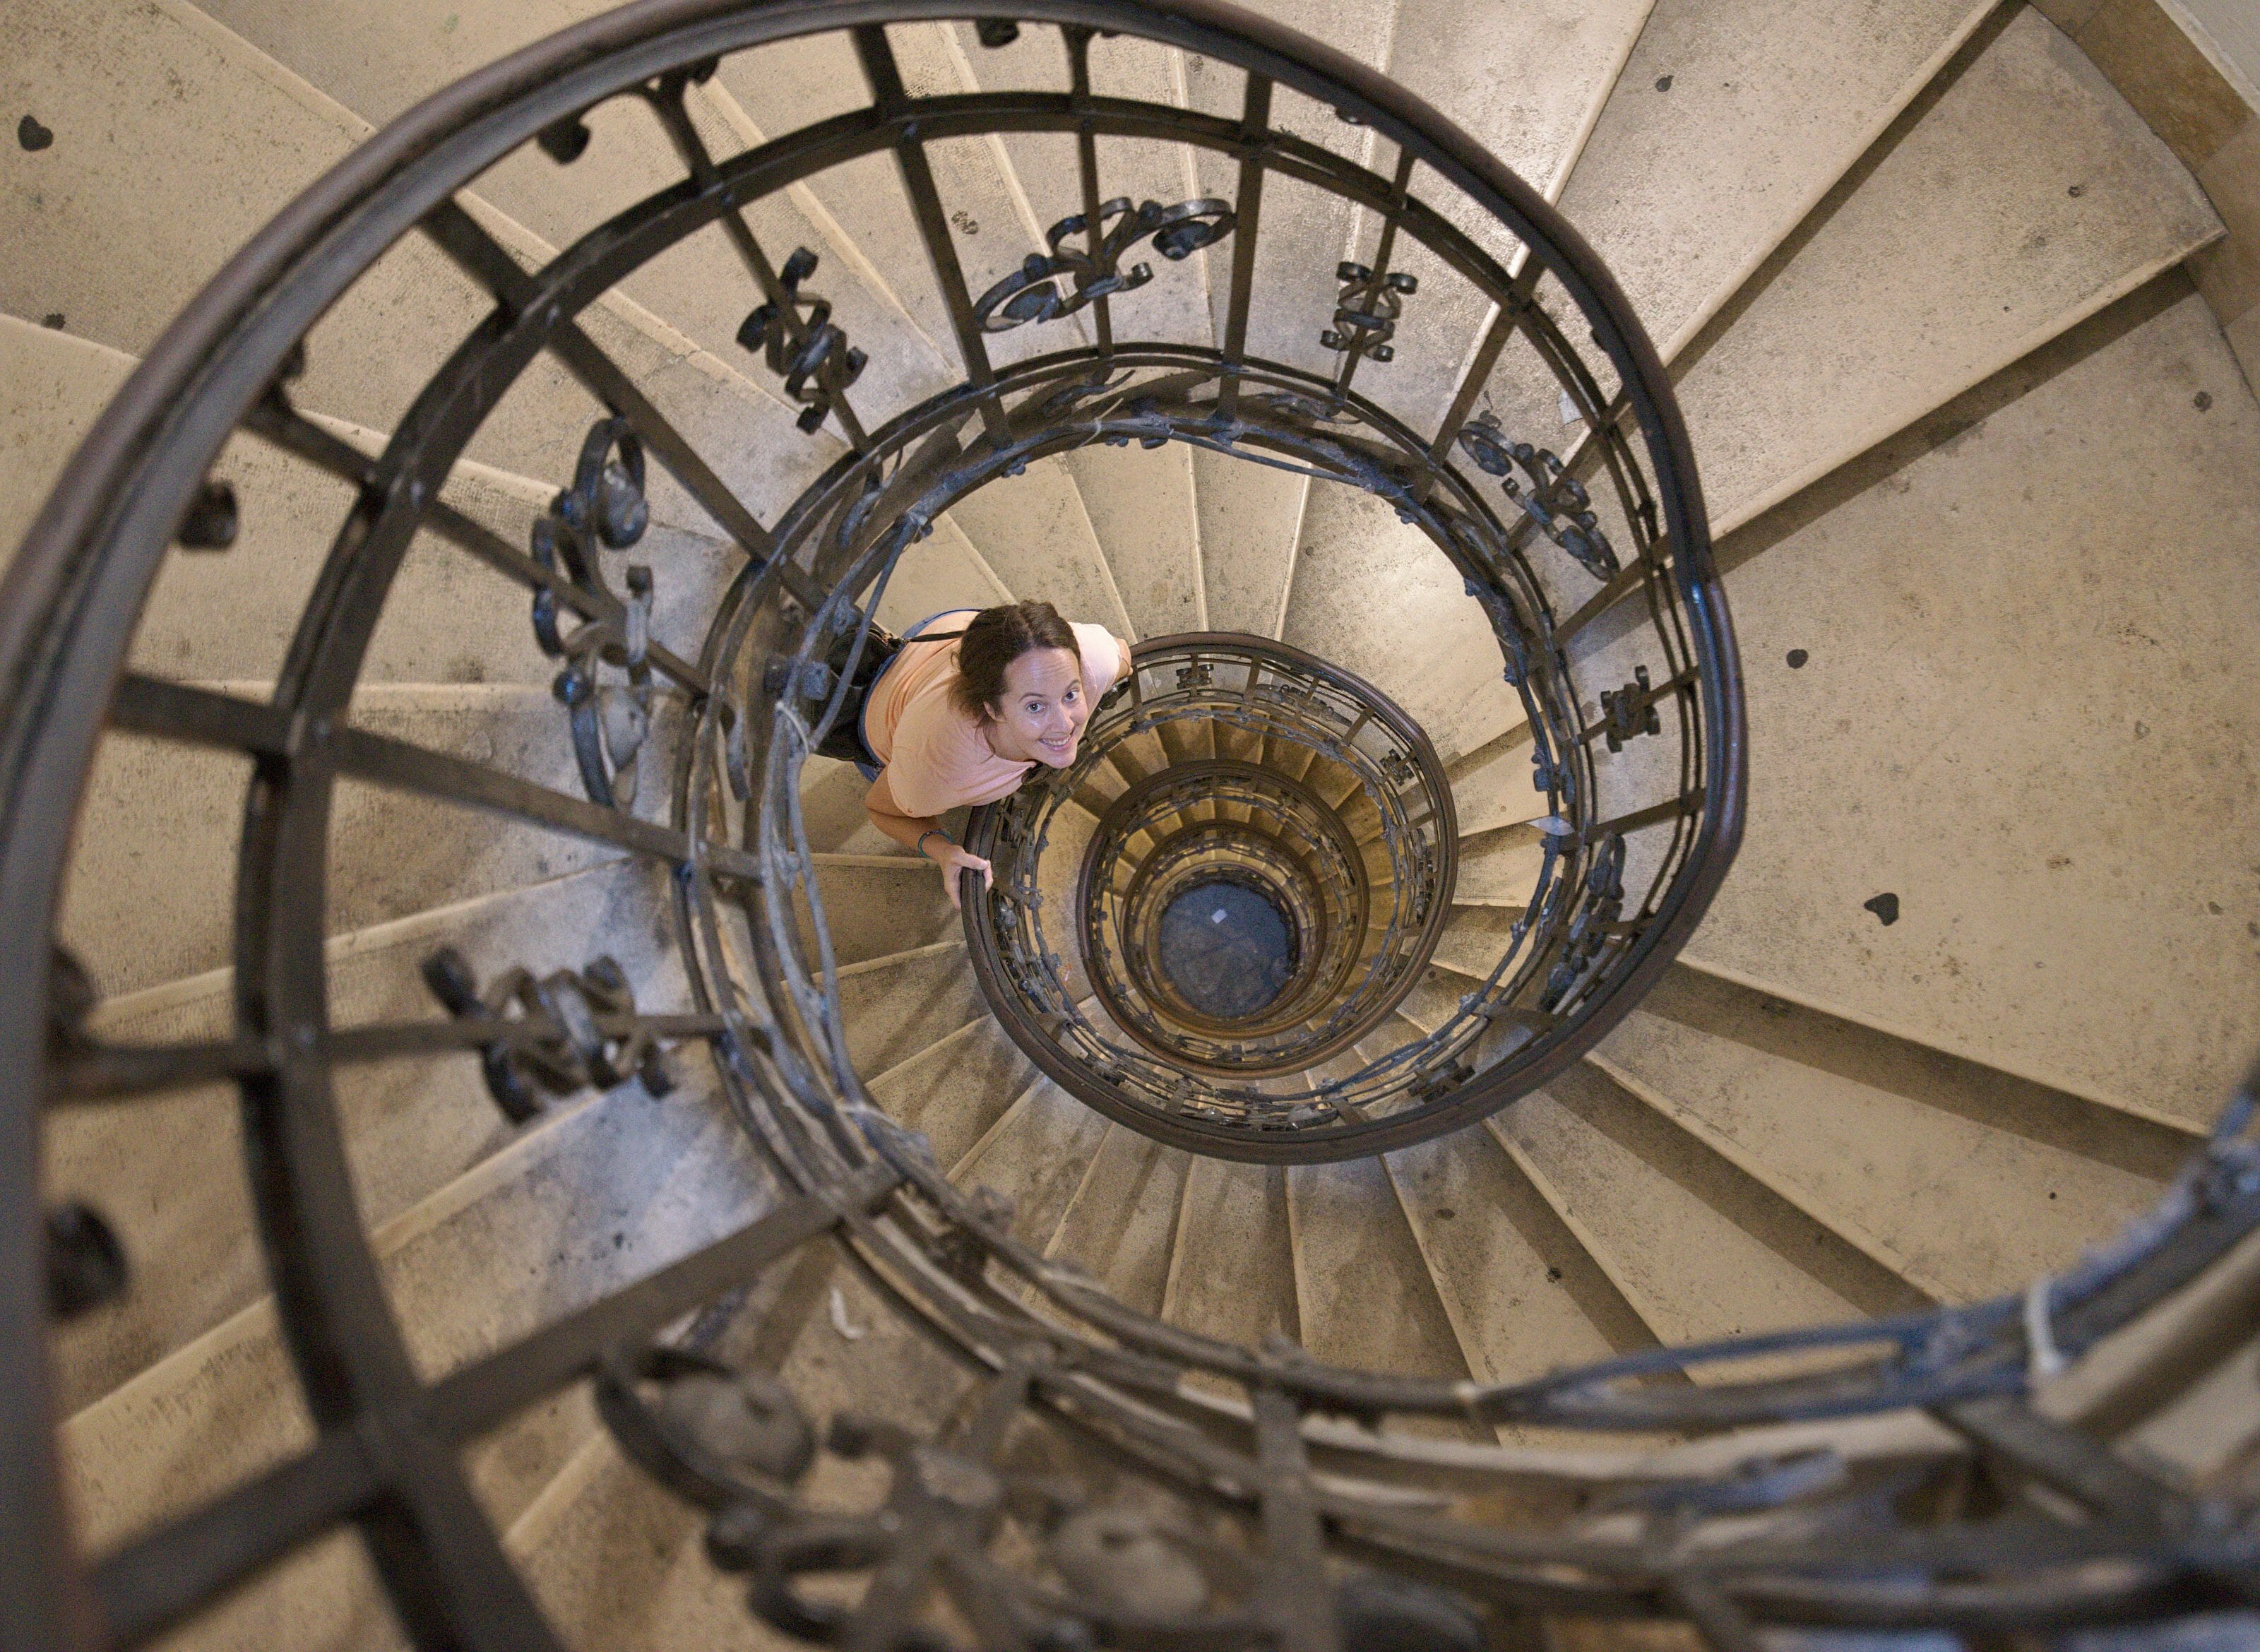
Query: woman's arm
{"x":924,"y":834}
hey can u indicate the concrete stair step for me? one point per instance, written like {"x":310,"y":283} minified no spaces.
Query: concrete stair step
{"x":1143,"y":514}
{"x":1377,"y":597}
{"x":1250,"y":516}
{"x":151,"y":893}
{"x":956,"y":1089}
{"x":1122,"y":1222}
{"x":894,"y":1007}
{"x":378,"y":61}
{"x":1232,"y":1269}
{"x":1700,"y":1250}
{"x":2011,"y":808}
{"x":598,"y":1194}
{"x":1980,"y":264}
{"x":1036,"y":1155}
{"x":1492,"y":788}
{"x":1033,"y":531}
{"x":195,"y":112}
{"x":877,"y":905}
{"x":1499,"y":869}
{"x":1686,"y":185}
{"x":1366,"y":1298}
{"x":1528,"y":94}
{"x":172,"y":1185}
{"x":1962,"y":1177}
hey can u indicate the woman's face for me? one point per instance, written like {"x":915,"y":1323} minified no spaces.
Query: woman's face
{"x":1042,"y":716}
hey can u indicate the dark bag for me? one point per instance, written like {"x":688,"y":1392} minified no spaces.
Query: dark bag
{"x":845,"y":741}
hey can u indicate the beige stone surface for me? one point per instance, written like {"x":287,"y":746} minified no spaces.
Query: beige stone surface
{"x":2104,"y":525}
{"x":1945,"y":266}
{"x":2172,"y":85}
{"x":1364,"y":1293}
{"x":52,"y":387}
{"x":1036,"y":1156}
{"x":1248,"y":516}
{"x":1143,"y":514}
{"x":1968,"y":1180}
{"x":1689,"y":1269}
{"x":1122,"y":1224}
{"x":1033,"y":531}
{"x":2229,"y":271}
{"x":1232,"y":1274}
{"x":1684,"y":188}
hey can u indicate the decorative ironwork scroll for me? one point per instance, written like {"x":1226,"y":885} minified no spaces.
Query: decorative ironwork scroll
{"x":1366,"y":311}
{"x":1556,"y":501}
{"x":808,"y":351}
{"x":604,"y":507}
{"x":579,"y":1054}
{"x":1031,"y":292}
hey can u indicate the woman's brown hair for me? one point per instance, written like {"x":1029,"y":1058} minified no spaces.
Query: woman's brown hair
{"x":996,"y":637}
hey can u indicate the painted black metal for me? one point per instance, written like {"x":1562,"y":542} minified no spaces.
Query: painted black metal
{"x":1049,"y":1347}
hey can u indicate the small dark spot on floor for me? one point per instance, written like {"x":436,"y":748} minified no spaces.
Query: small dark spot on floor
{"x":1796,"y":659}
{"x":1552,"y":1276}
{"x":1445,"y":1212}
{"x":2057,"y":862}
{"x":619,"y":1240}
{"x":2253,"y":930}
{"x":1886,"y":907}
{"x":2052,"y":1192}
{"x":967,"y":223}
{"x":2213,"y":906}
{"x":2202,"y":400}
{"x":33,"y":135}
{"x":1664,"y":83}
{"x":2141,"y":731}
{"x":2077,"y":191}
{"x":1775,"y":1007}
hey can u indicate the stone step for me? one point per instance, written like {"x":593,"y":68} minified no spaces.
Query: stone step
{"x":1493,"y":788}
{"x":1364,"y":1294}
{"x":1962,"y":1177}
{"x":1377,"y":597}
{"x":379,"y":61}
{"x":1250,"y":516}
{"x":1942,"y":267}
{"x":150,"y":895}
{"x":172,"y":1185}
{"x":1994,"y":742}
{"x":1712,"y":146}
{"x":448,"y":618}
{"x":876,"y":905}
{"x":1700,"y":1250}
{"x":195,"y":112}
{"x":895,"y":1006}
{"x":955,"y":1090}
{"x":1232,"y":1271}
{"x":1033,"y":531}
{"x":1528,"y":94}
{"x":1036,"y":1155}
{"x":1122,"y":1223}
{"x":599,"y":1194}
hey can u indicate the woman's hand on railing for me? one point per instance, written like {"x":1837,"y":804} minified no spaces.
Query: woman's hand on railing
{"x":953,"y":858}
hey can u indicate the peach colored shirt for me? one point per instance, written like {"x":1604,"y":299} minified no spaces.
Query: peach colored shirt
{"x":933,"y":754}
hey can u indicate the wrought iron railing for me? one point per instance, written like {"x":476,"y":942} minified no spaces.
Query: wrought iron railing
{"x":1280,"y":1506}
{"x":1251,"y":761}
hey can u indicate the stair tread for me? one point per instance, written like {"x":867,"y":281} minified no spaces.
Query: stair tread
{"x":2012,"y":812}
{"x":1035,"y":1154}
{"x":1122,"y":1222}
{"x":2018,"y":260}
{"x":1232,"y":1274}
{"x":1666,"y":189}
{"x":1688,"y":1269}
{"x":1365,"y":1295}
{"x":956,"y":1089}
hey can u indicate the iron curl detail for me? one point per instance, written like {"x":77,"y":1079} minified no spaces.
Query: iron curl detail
{"x":1556,"y":501}
{"x":1031,"y":293}
{"x":803,"y":345}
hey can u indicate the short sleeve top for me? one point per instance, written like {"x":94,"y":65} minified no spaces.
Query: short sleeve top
{"x":934,"y":755}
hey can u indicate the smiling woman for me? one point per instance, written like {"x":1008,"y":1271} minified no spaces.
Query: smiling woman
{"x":959,"y":720}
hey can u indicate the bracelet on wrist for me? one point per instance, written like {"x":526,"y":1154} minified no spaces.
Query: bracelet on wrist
{"x":932,"y":832}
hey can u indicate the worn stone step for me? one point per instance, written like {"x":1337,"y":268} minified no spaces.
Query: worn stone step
{"x":1961,"y":1177}
{"x":1942,"y":266}
{"x":1711,"y":145}
{"x":2010,"y":678}
{"x":956,"y":1088}
{"x":1232,"y":1272}
{"x":151,"y":888}
{"x":171,"y":1184}
{"x":1364,"y":1294}
{"x":1694,"y":1247}
{"x":1036,"y":1156}
{"x":876,"y":905}
{"x":192,"y":112}
{"x":1122,"y":1223}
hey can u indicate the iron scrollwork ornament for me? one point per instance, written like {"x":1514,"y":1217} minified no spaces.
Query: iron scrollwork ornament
{"x":604,"y":507}
{"x":579,"y":1055}
{"x":1031,"y":292}
{"x":806,"y":349}
{"x":1367,"y":313}
{"x":1556,"y":501}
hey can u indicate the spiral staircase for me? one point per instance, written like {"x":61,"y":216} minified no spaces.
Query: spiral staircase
{"x":501,"y":1153}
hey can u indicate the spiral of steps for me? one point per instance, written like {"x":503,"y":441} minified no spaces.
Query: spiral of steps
{"x":1984,"y":482}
